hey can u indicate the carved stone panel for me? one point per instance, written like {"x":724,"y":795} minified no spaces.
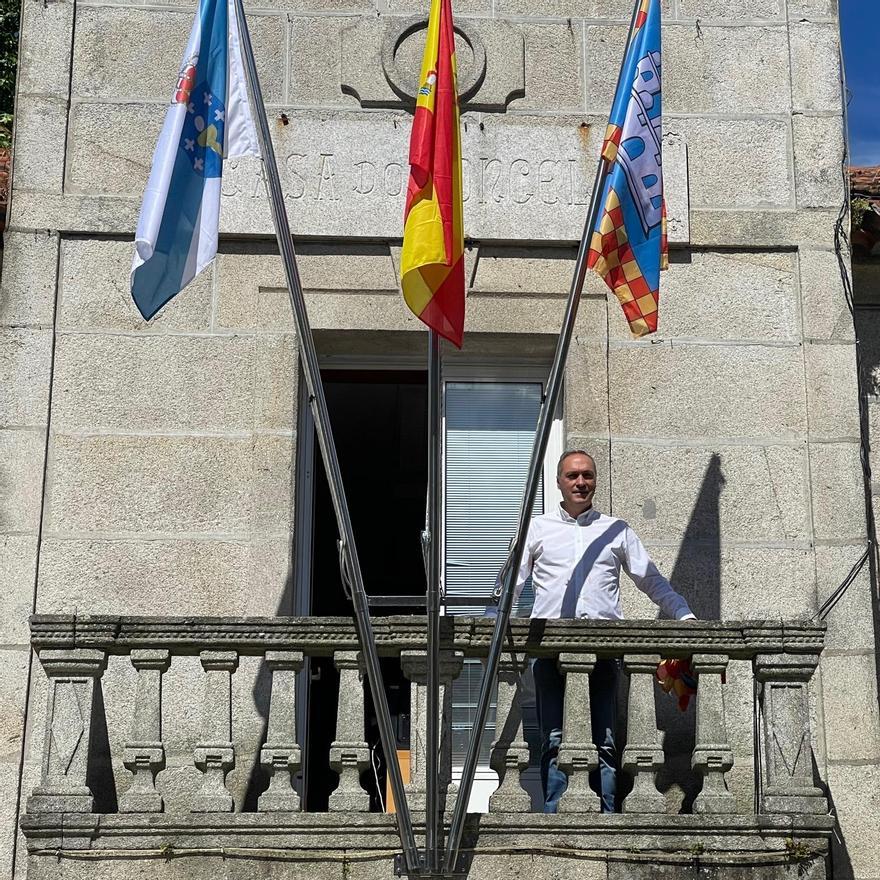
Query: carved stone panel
{"x":788,"y":784}
{"x":72,"y":674}
{"x":522,"y":177}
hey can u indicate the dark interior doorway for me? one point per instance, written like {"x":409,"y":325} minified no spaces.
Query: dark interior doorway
{"x":379,"y":421}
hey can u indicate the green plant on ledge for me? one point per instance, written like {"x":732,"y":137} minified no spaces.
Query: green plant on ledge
{"x":858,"y":210}
{"x":797,"y":850}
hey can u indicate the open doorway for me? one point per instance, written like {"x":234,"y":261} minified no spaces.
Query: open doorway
{"x":379,"y":422}
{"x":379,"y":419}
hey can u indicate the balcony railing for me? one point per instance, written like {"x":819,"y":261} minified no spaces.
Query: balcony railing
{"x":787,"y":820}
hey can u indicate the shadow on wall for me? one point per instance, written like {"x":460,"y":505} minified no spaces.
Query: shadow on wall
{"x":697,"y":571}
{"x":841,"y":864}
{"x":697,"y":576}
{"x":99,"y":775}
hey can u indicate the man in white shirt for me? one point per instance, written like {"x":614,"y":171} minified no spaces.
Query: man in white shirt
{"x":574,"y":555}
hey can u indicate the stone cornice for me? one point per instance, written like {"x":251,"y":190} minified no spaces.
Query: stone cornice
{"x":752,"y":835}
{"x":316,"y":636}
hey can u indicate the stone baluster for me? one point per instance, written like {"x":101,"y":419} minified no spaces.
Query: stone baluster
{"x":787,"y":772}
{"x":415,"y":667}
{"x":72,"y":674}
{"x":214,"y":754}
{"x":712,"y":757}
{"x":578,"y":755}
{"x":144,"y":753}
{"x":643,"y":755}
{"x":281,"y":754}
{"x":509,"y":755}
{"x":349,"y":753}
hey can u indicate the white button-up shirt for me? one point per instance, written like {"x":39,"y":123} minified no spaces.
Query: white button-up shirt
{"x":575,"y":567}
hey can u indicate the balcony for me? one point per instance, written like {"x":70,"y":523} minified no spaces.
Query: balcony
{"x":170,"y":750}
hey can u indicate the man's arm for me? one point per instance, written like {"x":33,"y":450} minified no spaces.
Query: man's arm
{"x":646,"y":576}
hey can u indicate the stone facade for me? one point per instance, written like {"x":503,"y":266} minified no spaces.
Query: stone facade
{"x":147,"y":469}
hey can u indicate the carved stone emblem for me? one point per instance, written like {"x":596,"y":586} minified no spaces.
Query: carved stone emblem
{"x":382,"y":59}
{"x":403,"y":76}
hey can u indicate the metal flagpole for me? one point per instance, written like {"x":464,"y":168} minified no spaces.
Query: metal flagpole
{"x":349,"y":563}
{"x":433,"y":544}
{"x":539,"y":449}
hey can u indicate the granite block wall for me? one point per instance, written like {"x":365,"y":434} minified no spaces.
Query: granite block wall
{"x":147,"y":468}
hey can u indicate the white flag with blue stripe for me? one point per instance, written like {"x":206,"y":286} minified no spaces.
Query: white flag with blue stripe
{"x":209,"y":120}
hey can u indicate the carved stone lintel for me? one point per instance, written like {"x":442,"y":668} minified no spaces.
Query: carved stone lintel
{"x":72,"y":674}
{"x":349,"y":753}
{"x":281,"y":755}
{"x":144,"y":753}
{"x":214,"y":754}
{"x":712,"y":757}
{"x":643,"y":755}
{"x":509,"y":755}
{"x":578,"y":755}
{"x":787,"y":767}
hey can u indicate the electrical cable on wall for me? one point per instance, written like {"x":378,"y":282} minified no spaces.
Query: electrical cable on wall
{"x":843,"y":252}
{"x":796,"y":852}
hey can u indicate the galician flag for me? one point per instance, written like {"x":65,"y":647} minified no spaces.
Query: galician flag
{"x":628,"y":245}
{"x":209,"y":120}
{"x":432,"y":260}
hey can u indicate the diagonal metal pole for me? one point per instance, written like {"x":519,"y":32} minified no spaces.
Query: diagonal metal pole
{"x":539,"y":450}
{"x":433,"y":545}
{"x":511,"y":568}
{"x":349,"y":562}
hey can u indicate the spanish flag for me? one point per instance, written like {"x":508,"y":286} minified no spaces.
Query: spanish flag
{"x":432,"y":260}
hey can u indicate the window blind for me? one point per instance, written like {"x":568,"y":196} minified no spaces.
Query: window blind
{"x":490,"y":429}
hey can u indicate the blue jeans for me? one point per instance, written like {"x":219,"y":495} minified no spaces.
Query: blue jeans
{"x":550,"y":698}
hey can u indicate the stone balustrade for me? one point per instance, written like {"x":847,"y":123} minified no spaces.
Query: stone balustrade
{"x":74,"y":652}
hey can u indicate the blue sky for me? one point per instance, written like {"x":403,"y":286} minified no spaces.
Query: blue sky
{"x":860,"y":32}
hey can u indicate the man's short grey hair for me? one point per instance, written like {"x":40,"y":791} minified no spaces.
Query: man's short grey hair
{"x":570,"y":452}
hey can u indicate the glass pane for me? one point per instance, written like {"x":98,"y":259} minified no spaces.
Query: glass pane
{"x":490,"y":429}
{"x":465,"y":693}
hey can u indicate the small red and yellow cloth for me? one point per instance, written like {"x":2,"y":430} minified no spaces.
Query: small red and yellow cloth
{"x":676,"y":677}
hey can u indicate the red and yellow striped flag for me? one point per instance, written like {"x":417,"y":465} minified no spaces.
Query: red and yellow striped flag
{"x":432,"y":260}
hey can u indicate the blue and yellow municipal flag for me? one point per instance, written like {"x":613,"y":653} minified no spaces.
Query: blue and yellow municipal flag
{"x":209,"y":120}
{"x":432,"y":258}
{"x":628,"y":244}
